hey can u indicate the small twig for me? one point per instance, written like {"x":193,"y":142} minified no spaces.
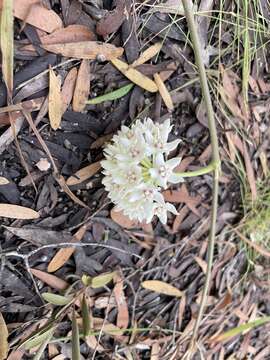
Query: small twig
{"x":188,"y":5}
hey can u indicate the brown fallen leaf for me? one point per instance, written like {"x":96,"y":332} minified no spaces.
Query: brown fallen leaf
{"x":62,"y":255}
{"x":122,"y":307}
{"x":33,"y":13}
{"x":201,"y":263}
{"x":112,"y":20}
{"x":49,"y":279}
{"x":68,"y":88}
{"x":135,"y":76}
{"x":164,"y":93}
{"x":182,"y":196}
{"x":3,"y":338}
{"x":101,"y":141}
{"x":82,"y":87}
{"x":84,"y":174}
{"x":155,"y":351}
{"x":161,"y":287}
{"x":72,"y":33}
{"x":147,"y":54}
{"x":55,"y":100}
{"x":86,"y":50}
{"x":123,"y":220}
{"x":29,"y":105}
{"x":93,"y":344}
{"x":17,"y":212}
{"x":250,"y":173}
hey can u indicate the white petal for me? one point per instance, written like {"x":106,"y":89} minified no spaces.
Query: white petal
{"x":162,"y":217}
{"x":159,"y":160}
{"x":172,"y":163}
{"x":170,"y":207}
{"x":174,"y":178}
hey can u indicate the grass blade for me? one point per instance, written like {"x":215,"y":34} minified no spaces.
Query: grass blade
{"x":75,"y":338}
{"x":6,"y":40}
{"x":85,"y":317}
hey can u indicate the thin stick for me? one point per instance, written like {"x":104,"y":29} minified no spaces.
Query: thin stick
{"x":188,"y":5}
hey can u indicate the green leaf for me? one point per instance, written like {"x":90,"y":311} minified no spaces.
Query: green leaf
{"x":56,"y":299}
{"x":240,"y":329}
{"x":114,"y":95}
{"x":35,"y":341}
{"x":101,"y":280}
{"x":75,"y":338}
{"x":85,"y":317}
{"x":43,"y":346}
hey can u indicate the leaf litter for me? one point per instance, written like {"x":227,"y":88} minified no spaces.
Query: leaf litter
{"x":147,"y":277}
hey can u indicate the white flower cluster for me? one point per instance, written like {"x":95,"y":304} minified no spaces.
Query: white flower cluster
{"x":136,"y":170}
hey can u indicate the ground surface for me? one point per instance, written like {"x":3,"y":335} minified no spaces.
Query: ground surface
{"x":175,"y":253}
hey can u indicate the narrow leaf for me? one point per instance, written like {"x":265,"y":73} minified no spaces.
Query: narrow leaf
{"x":86,"y":50}
{"x":240,"y":329}
{"x":68,"y":88}
{"x":6,"y":41}
{"x":75,"y":338}
{"x":101,"y":280}
{"x":50,"y":279}
{"x":166,"y":97}
{"x":82,"y":87}
{"x":37,"y":340}
{"x":84,"y":174}
{"x":55,"y":100}
{"x":3,"y":338}
{"x":85,"y":317}
{"x":62,"y":255}
{"x":114,"y":95}
{"x":148,"y":54}
{"x":135,"y":76}
{"x":17,"y":212}
{"x":56,"y":299}
{"x":162,"y":287}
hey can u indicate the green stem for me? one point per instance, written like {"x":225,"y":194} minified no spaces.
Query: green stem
{"x":188,"y":5}
{"x":205,"y":170}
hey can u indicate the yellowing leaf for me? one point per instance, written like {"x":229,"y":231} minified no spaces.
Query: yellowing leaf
{"x":166,"y":97}
{"x":84,"y":174}
{"x":17,"y":212}
{"x":239,"y":329}
{"x":86,"y":50}
{"x":6,"y":41}
{"x":3,"y":338}
{"x":75,"y":341}
{"x":55,"y":100}
{"x":56,"y":299}
{"x":147,"y":54}
{"x":135,"y":76}
{"x":37,"y":340}
{"x":82,"y":87}
{"x":162,"y":287}
{"x":101,"y":280}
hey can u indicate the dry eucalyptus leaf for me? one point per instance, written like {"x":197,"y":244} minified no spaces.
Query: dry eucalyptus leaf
{"x":55,"y":100}
{"x":84,"y":174}
{"x":135,"y":76}
{"x":82,"y":87}
{"x":86,"y":50}
{"x":3,"y":338}
{"x":32,"y":12}
{"x":162,"y":288}
{"x":17,"y":212}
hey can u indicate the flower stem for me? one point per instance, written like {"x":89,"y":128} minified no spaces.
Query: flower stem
{"x":205,"y":170}
{"x":188,"y":5}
